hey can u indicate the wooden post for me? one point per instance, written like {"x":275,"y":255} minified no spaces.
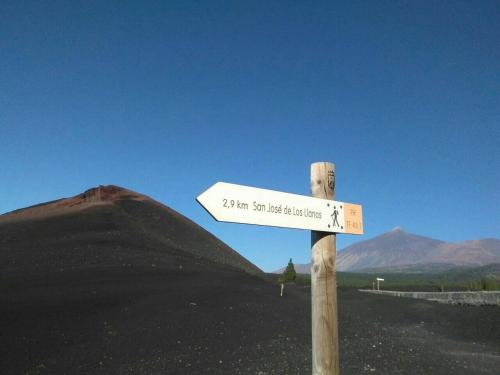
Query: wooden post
{"x":325,"y":348}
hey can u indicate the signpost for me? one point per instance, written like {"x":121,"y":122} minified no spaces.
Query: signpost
{"x":320,"y":214}
{"x":248,"y":205}
{"x":378,"y":282}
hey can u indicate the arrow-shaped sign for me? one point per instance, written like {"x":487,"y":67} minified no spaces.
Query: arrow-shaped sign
{"x":249,"y":205}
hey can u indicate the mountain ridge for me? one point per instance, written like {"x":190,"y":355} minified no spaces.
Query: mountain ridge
{"x":398,"y":249}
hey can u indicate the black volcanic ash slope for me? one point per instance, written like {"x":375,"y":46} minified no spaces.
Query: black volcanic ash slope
{"x":106,"y":226}
{"x":112,"y":282}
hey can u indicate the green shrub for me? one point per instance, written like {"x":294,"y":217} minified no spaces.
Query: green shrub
{"x":489,"y":284}
{"x":289,"y":275}
{"x":484,"y":284}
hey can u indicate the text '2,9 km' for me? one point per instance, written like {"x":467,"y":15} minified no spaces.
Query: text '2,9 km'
{"x":249,"y":205}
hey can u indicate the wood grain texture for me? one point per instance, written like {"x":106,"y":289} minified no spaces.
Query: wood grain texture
{"x":325,"y":350}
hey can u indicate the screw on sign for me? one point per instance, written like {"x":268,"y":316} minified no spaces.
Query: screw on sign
{"x":320,"y":214}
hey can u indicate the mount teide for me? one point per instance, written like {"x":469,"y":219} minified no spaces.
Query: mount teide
{"x":399,"y":250}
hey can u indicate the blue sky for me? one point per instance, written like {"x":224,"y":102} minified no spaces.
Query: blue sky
{"x":166,"y":98}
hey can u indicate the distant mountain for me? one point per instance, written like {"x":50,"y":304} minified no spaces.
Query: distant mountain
{"x":107,"y":226}
{"x":398,"y":250}
{"x":394,"y":248}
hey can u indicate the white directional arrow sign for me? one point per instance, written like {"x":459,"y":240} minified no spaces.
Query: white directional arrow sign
{"x":249,"y":205}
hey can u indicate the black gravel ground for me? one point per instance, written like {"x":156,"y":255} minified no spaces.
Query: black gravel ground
{"x":137,"y":320}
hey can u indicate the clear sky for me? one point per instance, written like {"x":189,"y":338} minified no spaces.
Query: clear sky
{"x":166,"y":98}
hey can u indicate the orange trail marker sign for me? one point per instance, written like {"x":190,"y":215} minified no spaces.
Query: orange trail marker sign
{"x":248,"y":205}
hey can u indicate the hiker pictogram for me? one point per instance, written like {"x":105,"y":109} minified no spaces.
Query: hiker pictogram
{"x":335,"y":217}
